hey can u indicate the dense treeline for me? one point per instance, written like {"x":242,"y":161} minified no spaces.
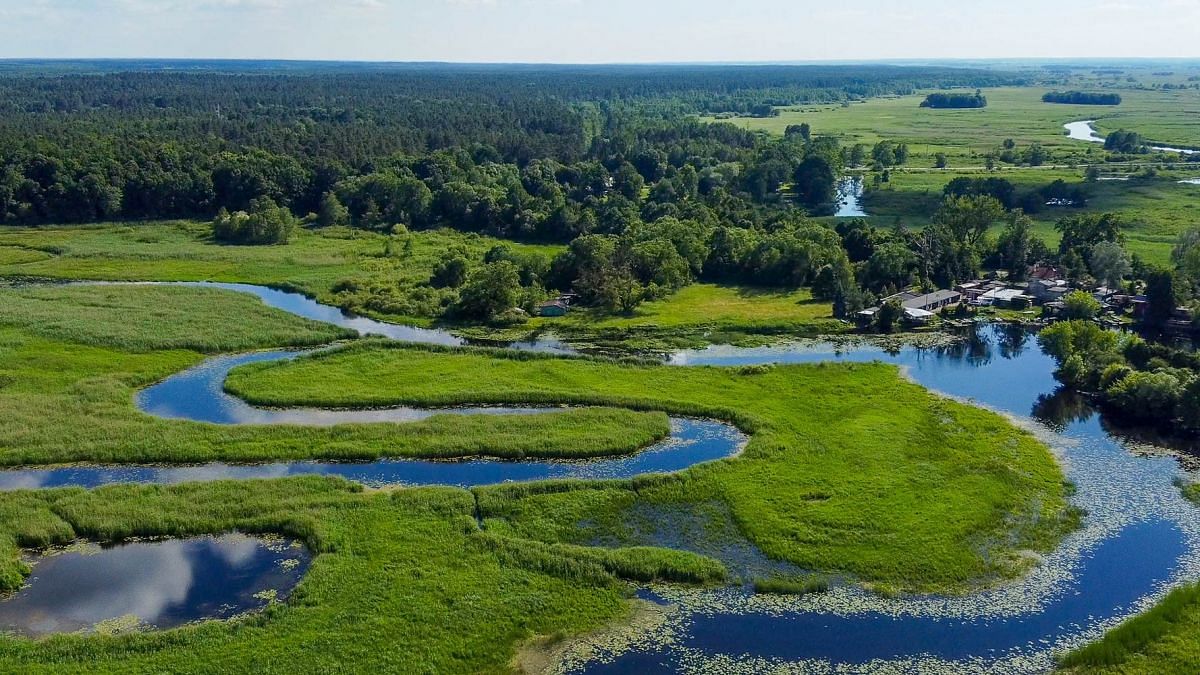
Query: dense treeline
{"x":136,"y":142}
{"x":1081,"y":98}
{"x":976,"y":100}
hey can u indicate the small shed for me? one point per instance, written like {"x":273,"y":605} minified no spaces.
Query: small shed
{"x":553,"y":308}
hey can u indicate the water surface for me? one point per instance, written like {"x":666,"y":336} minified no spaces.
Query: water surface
{"x":850,"y":193}
{"x":152,"y":584}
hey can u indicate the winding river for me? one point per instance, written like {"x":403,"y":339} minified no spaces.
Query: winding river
{"x":1084,"y":131}
{"x":1139,"y":538}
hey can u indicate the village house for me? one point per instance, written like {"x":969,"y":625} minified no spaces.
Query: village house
{"x":1047,"y":290}
{"x":1005,"y":297}
{"x":553,"y":308}
{"x":918,"y":308}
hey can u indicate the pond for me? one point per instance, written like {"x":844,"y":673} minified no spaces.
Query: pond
{"x":152,"y":584}
{"x":850,"y":194}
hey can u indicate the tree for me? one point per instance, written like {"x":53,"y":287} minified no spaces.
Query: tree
{"x":969,"y":218}
{"x":450,"y":272}
{"x":265,"y":223}
{"x":1109,"y":263}
{"x":1160,"y":297}
{"x":891,"y":264}
{"x":628,"y":182}
{"x":490,"y":291}
{"x":888,"y":316}
{"x":814,"y":182}
{"x":805,"y":131}
{"x":1147,"y":396}
{"x":1088,"y":229}
{"x":1015,"y":246}
{"x":1079,"y":305}
{"x":332,"y":212}
{"x":1082,"y":339}
{"x":1036,"y":155}
{"x":940,"y":161}
{"x":1186,"y":254}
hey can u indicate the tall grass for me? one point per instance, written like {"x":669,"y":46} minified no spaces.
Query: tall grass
{"x":1177,"y":612}
{"x":402,"y":582}
{"x":147,"y":318}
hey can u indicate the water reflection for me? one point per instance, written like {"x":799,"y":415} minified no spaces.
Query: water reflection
{"x":850,"y":193}
{"x":158,"y":584}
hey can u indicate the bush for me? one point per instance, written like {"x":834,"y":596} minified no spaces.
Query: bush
{"x":264,"y":223}
{"x":1146,"y":396}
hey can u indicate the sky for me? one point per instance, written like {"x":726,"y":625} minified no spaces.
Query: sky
{"x":599,"y":31}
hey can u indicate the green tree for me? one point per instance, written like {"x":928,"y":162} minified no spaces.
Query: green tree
{"x":450,"y":272}
{"x":814,"y":182}
{"x":1109,"y":263}
{"x":1086,"y":230}
{"x":490,"y":290}
{"x":264,"y":223}
{"x":887,"y":319}
{"x":969,"y":218}
{"x":892,"y":264}
{"x":1160,"y":297}
{"x":1015,"y":246}
{"x":1186,"y":254}
{"x":1147,"y":396}
{"x":1079,"y":305}
{"x":332,"y":212}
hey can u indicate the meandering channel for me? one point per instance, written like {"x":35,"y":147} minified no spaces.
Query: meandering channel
{"x":1140,"y":537}
{"x":1084,"y":131}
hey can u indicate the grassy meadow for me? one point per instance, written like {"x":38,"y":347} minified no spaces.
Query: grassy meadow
{"x":315,"y":262}
{"x":966,"y":135}
{"x":1161,"y":640}
{"x":850,"y":468}
{"x":70,"y":366}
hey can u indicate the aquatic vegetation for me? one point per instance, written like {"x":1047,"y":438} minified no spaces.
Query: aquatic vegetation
{"x":791,"y":586}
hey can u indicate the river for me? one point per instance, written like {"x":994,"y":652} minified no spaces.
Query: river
{"x":1139,"y":537}
{"x":1084,"y":131}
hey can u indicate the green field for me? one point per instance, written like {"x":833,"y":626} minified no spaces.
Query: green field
{"x":1155,"y":209}
{"x":694,"y":316}
{"x":849,"y":469}
{"x":319,"y":263}
{"x":315,"y":262}
{"x":1017,"y":113}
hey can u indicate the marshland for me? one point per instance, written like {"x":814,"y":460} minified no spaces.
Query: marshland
{"x":597,"y":369}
